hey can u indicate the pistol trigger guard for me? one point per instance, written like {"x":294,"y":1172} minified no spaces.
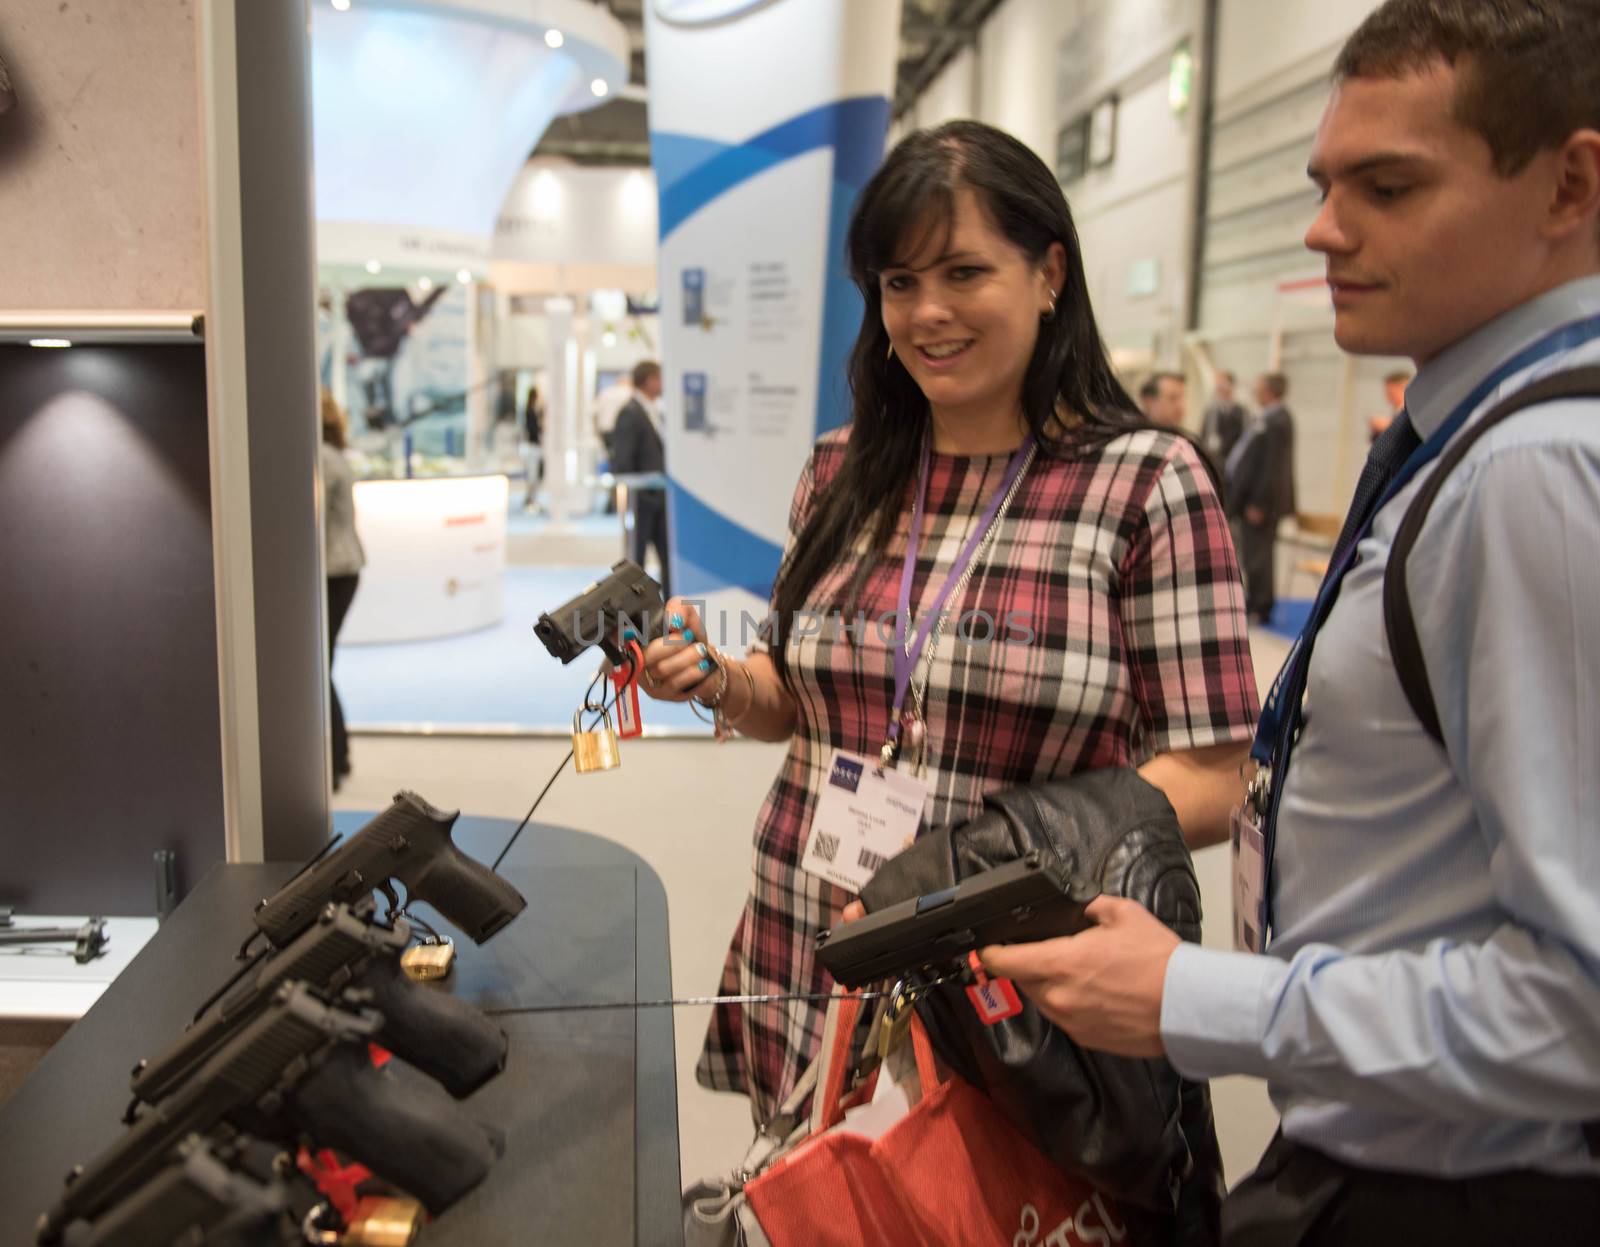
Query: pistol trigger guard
{"x":395,"y":908}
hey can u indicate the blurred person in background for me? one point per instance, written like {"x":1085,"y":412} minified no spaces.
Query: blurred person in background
{"x":1161,"y":398}
{"x":1224,"y":420}
{"x":342,"y":560}
{"x":1394,"y":393}
{"x":1259,"y":477}
{"x":636,"y":446}
{"x":533,"y":445}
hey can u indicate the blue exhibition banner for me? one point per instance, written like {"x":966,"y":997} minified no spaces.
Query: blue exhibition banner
{"x":767,"y":119}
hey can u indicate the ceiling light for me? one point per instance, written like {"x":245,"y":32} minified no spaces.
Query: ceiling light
{"x":599,"y":87}
{"x":53,"y":342}
{"x":374,"y":267}
{"x":424,"y":284}
{"x":464,"y":275}
{"x":343,"y":6}
{"x":553,"y":38}
{"x":609,"y":338}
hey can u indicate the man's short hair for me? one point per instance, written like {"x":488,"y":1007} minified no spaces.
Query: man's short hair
{"x":1398,"y":377}
{"x":643,"y":371}
{"x":1530,"y":68}
{"x":1277,"y":384}
{"x":1224,"y":374}
{"x":1152,"y":386}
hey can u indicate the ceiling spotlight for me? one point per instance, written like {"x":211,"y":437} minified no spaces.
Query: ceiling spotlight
{"x":609,"y":338}
{"x":52,"y":342}
{"x":553,"y":38}
{"x":374,"y":267}
{"x":343,"y":6}
{"x":464,"y":275}
{"x":424,"y":284}
{"x":600,"y":88}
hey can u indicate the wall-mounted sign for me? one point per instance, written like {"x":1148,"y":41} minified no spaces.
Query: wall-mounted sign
{"x":1072,"y":150}
{"x":1144,"y":277}
{"x":1103,"y":132}
{"x":1180,"y":78}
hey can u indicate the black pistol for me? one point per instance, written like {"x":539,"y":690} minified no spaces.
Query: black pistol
{"x":1031,"y":898}
{"x":300,"y":1069}
{"x":410,"y":841}
{"x":444,"y":1037}
{"x":203,"y":1194}
{"x":626,"y":599}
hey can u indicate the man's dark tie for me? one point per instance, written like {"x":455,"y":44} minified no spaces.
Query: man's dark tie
{"x":1387,"y":456}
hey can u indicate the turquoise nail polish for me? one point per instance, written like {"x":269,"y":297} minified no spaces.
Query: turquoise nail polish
{"x":677,"y":621}
{"x":688,"y":634}
{"x":705,"y":664}
{"x":704,"y":652}
{"x":628,"y":634}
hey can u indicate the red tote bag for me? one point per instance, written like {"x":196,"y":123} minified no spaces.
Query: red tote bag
{"x":952,"y":1171}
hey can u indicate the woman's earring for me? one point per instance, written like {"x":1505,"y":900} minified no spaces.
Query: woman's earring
{"x":1051,"y":314}
{"x":890,"y":356}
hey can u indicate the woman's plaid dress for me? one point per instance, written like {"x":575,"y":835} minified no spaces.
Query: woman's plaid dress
{"x":1119,"y":564}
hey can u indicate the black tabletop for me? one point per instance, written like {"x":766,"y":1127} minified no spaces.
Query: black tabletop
{"x":588,"y":1100}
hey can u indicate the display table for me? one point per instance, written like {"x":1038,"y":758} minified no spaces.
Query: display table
{"x":436,"y":558}
{"x":587,"y":1102}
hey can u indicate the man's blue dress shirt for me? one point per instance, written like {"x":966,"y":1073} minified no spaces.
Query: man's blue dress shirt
{"x":1430,"y":1001}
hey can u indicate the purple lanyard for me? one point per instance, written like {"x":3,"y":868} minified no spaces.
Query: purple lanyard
{"x":905,"y":659}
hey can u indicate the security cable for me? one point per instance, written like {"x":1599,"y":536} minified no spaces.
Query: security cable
{"x":600,"y":712}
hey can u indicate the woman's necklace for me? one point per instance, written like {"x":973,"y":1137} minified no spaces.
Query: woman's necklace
{"x":914,"y":725}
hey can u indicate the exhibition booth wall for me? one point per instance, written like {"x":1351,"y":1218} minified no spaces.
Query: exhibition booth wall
{"x":108,"y":745}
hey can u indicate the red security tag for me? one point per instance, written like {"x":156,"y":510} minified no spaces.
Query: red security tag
{"x":333,"y":1179}
{"x":626,"y":678}
{"x":994,"y":1000}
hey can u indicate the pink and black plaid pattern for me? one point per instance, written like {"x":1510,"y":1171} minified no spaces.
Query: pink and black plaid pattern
{"x":1120,"y":566}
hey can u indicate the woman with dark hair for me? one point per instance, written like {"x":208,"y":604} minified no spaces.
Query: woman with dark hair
{"x":993,"y":470}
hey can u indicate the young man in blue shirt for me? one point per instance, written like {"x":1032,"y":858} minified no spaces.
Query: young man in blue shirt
{"x":1427,"y":1012}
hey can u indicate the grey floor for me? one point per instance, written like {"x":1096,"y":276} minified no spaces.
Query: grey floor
{"x":687,"y":808}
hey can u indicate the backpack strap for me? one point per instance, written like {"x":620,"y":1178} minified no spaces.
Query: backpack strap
{"x":1398,"y":621}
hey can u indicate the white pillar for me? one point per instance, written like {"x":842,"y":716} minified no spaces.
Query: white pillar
{"x":561,"y":417}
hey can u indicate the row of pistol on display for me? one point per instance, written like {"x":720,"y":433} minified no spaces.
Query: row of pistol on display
{"x":314,"y":1098}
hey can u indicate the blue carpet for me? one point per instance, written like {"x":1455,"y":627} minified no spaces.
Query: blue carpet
{"x":499,"y":677}
{"x":1289,"y":616}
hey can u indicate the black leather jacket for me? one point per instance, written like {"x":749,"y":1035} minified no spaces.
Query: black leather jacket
{"x":1134,"y":1128}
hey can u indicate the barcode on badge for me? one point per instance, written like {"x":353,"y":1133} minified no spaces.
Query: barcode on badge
{"x":868,"y":860}
{"x":827,"y":846}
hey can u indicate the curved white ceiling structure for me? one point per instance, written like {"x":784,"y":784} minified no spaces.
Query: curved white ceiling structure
{"x":424,"y":111}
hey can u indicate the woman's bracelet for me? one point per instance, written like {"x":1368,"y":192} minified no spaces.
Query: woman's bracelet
{"x":714,"y":702}
{"x":750,"y":684}
{"x":722,"y":724}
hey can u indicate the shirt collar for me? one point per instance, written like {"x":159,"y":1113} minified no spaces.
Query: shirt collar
{"x":1447,"y":379}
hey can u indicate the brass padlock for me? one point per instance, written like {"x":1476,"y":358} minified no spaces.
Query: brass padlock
{"x":386,"y":1223}
{"x":427,"y":962}
{"x":596,"y":750}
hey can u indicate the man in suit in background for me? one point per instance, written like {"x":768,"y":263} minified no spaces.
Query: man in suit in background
{"x":1259,"y":478}
{"x":1224,"y":421}
{"x":636,"y":447}
{"x":1394,"y":393}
